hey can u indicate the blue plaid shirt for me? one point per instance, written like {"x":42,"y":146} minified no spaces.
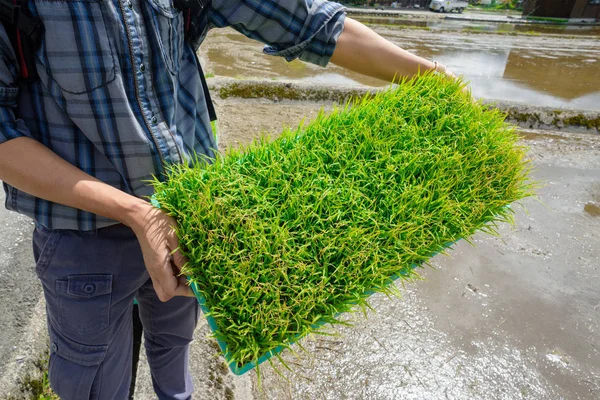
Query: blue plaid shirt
{"x":120,"y":95}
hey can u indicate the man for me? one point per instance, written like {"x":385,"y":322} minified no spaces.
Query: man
{"x":119,"y":96}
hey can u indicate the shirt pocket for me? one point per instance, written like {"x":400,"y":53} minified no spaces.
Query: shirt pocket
{"x":75,"y":51}
{"x":166,"y":30}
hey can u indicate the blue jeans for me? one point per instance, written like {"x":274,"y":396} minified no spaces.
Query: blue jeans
{"x":90,"y":279}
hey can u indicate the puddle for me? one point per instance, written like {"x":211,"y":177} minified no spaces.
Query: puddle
{"x":536,"y":70}
{"x":592,"y":209}
{"x":527,"y":135}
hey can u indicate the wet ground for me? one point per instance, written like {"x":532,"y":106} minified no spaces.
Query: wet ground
{"x":540,"y":69}
{"x":514,"y":317}
{"x":19,"y":289}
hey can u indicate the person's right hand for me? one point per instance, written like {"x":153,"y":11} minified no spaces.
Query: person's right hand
{"x":155,"y":231}
{"x":442,"y":69}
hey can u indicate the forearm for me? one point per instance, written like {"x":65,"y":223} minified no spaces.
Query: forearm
{"x":31,"y":167}
{"x":361,"y":50}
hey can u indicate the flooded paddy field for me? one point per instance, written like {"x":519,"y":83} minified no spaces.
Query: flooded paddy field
{"x":440,"y":25}
{"x":545,"y":69}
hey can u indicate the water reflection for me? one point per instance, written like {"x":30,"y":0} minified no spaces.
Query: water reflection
{"x":522,"y":66}
{"x":231,"y":54}
{"x":537,"y":70}
{"x":474,"y":26}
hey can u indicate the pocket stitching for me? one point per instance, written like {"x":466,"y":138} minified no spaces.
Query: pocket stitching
{"x":73,"y":351}
{"x":47,"y":252}
{"x":170,"y":12}
{"x":103,"y":283}
{"x":173,"y":63}
{"x":112,"y":75}
{"x":83,"y":355}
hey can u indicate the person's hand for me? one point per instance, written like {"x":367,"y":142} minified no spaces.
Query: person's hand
{"x":156,"y":234}
{"x":442,"y":69}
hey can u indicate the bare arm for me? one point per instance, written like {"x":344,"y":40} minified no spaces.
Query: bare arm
{"x":33,"y":168}
{"x":361,"y":50}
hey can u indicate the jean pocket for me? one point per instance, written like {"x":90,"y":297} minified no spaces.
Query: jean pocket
{"x":84,"y":302}
{"x":45,"y":242}
{"x":74,"y":367}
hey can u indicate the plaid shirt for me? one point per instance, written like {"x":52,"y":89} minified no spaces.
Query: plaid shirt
{"x":120,"y":95}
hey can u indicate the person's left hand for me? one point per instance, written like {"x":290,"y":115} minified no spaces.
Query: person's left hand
{"x":155,"y":231}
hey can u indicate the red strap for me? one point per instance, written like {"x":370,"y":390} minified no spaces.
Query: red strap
{"x":22,"y":64}
{"x":187,"y":20}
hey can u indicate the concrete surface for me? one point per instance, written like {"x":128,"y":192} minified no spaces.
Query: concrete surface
{"x":514,"y":317}
{"x":515,"y":19}
{"x":21,"y":319}
{"x":521,"y":114}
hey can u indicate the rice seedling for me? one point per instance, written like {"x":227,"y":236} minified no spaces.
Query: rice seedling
{"x":283,"y":236}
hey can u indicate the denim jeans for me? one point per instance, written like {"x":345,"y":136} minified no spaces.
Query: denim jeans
{"x":90,"y":279}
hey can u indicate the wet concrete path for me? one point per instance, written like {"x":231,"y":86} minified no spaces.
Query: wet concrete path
{"x":516,"y":316}
{"x":20,"y":290}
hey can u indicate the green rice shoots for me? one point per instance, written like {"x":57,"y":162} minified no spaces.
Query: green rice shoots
{"x":283,"y":236}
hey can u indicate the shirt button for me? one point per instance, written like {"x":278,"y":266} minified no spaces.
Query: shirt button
{"x":54,"y":347}
{"x":154,"y":120}
{"x":130,"y":5}
{"x":142,"y":67}
{"x":89,"y":288}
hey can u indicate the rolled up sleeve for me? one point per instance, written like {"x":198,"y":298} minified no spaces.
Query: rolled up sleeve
{"x":10,"y":127}
{"x":304,"y":29}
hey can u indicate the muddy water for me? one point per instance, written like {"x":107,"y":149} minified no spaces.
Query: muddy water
{"x":533,"y":135}
{"x":542,"y":70}
{"x":468,"y":26}
{"x":592,"y":209}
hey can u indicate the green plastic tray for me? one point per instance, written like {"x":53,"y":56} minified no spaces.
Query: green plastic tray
{"x":251,"y":365}
{"x":237,"y":370}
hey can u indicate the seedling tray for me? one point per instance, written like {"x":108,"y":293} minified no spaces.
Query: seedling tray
{"x":284,"y":236}
{"x":237,"y":370}
{"x":240,"y":370}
